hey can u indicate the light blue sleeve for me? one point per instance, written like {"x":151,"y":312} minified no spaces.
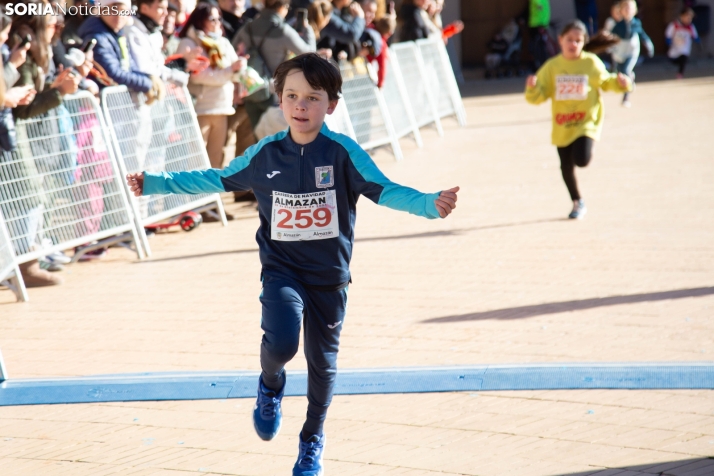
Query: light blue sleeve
{"x":368,"y":180}
{"x":237,"y":175}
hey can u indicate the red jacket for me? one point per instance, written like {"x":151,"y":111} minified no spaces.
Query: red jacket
{"x":381,"y":60}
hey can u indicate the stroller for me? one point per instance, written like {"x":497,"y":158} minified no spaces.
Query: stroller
{"x":504,"y":52}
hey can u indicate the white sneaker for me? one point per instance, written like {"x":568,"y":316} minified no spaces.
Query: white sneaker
{"x":58,"y":257}
{"x":579,"y":210}
{"x":626,"y":104}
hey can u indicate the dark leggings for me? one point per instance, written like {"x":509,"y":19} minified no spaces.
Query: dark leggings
{"x":578,"y":153}
{"x":680,"y":61}
{"x":288,"y":304}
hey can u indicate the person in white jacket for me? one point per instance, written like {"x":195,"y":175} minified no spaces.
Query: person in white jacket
{"x":145,"y":41}
{"x":212,"y":87}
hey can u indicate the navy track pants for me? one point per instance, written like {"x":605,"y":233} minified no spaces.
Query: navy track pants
{"x":286,"y":304}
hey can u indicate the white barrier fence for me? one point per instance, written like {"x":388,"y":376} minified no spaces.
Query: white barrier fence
{"x":339,"y":120}
{"x":161,"y":137}
{"x":421,"y":94}
{"x":61,"y":187}
{"x":368,"y":110}
{"x":419,"y":90}
{"x":398,"y":103}
{"x":441,"y":80}
{"x":9,"y":271}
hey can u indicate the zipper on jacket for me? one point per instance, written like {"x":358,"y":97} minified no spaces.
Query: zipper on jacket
{"x":302,"y":151}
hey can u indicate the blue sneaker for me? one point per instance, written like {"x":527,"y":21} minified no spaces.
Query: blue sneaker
{"x":267,"y":414}
{"x":309,"y":462}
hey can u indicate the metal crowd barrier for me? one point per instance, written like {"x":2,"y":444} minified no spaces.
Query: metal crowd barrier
{"x":9,"y":271}
{"x":400,"y":109}
{"x":339,"y":120}
{"x":61,"y":188}
{"x":161,"y":137}
{"x":441,"y":79}
{"x":421,"y":95}
{"x":367,"y":110}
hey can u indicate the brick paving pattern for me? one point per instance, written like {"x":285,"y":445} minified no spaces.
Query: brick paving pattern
{"x":506,"y":279}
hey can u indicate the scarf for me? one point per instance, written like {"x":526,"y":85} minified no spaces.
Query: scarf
{"x":150,"y":24}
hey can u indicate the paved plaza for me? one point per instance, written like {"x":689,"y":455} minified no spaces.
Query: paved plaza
{"x":505,"y":279}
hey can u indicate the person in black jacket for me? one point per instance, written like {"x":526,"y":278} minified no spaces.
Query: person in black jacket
{"x":411,"y":21}
{"x":231,"y":16}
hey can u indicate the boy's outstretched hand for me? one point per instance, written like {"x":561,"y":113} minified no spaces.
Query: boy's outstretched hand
{"x":136,"y":183}
{"x":446,"y":201}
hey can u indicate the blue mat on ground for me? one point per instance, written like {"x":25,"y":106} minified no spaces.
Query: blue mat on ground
{"x":220,"y":385}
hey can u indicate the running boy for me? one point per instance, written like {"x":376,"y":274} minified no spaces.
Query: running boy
{"x":627,"y":51}
{"x":680,"y":34}
{"x":307,"y":180}
{"x":572,"y":80}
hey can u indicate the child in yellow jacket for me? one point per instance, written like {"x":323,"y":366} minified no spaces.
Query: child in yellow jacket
{"x":573,"y":80}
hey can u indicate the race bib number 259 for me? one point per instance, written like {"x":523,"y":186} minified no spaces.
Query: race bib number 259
{"x":571,"y":87}
{"x":303,"y":217}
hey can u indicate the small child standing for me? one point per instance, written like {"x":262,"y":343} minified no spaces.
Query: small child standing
{"x":680,"y":34}
{"x":307,"y":180}
{"x":385,"y":26}
{"x":614,"y":18}
{"x":627,"y":51}
{"x":573,"y":80}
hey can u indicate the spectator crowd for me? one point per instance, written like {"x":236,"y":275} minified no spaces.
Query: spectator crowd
{"x":224,"y":51}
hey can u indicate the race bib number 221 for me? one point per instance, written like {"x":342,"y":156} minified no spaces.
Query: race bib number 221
{"x":571,"y":87}
{"x":305,"y":216}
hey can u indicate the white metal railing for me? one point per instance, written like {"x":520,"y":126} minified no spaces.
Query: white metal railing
{"x":161,"y":137}
{"x":368,"y":110}
{"x":9,"y":271}
{"x":441,"y":79}
{"x":61,"y":187}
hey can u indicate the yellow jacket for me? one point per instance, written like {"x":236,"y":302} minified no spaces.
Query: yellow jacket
{"x":574,"y":87}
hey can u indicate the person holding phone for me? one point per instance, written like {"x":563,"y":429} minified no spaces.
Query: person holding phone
{"x":39,"y":70}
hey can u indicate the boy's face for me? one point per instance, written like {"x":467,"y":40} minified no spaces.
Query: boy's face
{"x":686,"y":19}
{"x":157,"y":10}
{"x":304,"y":107}
{"x":616,"y":12}
{"x":118,"y":21}
{"x":170,"y":23}
{"x":628,"y":10}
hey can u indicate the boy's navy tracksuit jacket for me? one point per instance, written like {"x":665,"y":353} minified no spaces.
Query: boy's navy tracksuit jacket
{"x":279,"y":164}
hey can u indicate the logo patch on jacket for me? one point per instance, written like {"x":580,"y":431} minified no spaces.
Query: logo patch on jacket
{"x":324,"y":177}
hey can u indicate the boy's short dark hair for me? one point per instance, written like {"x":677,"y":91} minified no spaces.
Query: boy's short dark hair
{"x":686,"y":11}
{"x":319,"y":73}
{"x":385,"y":26}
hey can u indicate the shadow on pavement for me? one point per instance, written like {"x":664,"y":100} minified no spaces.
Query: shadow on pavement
{"x":685,"y":467}
{"x":202,"y":255}
{"x":431,"y":234}
{"x":523,"y":312}
{"x":458,"y":231}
